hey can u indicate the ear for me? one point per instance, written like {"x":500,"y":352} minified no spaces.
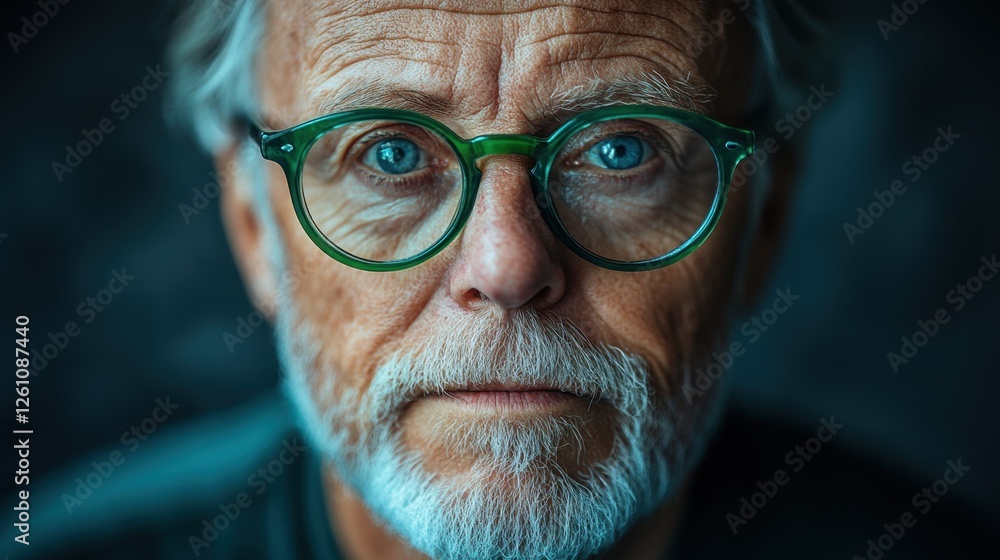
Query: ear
{"x":771,"y":225}
{"x":244,"y":230}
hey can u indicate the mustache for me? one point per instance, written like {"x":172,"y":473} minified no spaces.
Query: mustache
{"x":521,"y":349}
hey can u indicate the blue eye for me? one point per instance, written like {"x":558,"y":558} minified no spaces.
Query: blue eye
{"x":396,"y":156}
{"x":621,"y":152}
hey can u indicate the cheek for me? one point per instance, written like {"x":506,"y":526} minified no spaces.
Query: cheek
{"x":675,"y":315}
{"x":357,"y":317}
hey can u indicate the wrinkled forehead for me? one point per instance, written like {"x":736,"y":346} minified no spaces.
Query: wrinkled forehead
{"x":497,"y":66}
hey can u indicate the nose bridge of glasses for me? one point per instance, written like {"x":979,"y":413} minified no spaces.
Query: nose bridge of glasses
{"x":504,"y":144}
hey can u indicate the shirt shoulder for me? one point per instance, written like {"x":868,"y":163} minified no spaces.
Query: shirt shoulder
{"x":232,"y":485}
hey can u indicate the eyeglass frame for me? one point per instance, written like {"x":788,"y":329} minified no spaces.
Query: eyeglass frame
{"x":288,"y":148}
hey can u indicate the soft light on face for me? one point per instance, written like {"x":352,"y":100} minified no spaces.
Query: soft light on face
{"x":505,"y":398}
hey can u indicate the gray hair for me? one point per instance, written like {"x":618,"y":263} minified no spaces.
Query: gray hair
{"x":213,"y":55}
{"x":215,"y":50}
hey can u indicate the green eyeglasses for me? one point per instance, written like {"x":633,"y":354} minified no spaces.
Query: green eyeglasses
{"x":628,"y":187}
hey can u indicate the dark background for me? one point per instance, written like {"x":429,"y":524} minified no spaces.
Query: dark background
{"x":163,"y":335}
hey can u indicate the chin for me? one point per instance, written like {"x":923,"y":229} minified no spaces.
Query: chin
{"x":510,"y":453}
{"x":566,"y":435}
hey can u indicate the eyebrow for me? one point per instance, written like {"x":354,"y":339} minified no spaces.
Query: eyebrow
{"x":373,"y":94}
{"x":647,"y":88}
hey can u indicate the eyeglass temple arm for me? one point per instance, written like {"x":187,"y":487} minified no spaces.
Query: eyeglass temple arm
{"x":253,"y":131}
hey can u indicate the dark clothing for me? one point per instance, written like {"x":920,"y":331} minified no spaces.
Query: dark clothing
{"x":242,"y":486}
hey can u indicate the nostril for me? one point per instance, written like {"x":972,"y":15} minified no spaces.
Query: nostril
{"x":542,"y":295}
{"x":474,"y":299}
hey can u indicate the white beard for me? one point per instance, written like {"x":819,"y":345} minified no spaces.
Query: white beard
{"x":516,"y":502}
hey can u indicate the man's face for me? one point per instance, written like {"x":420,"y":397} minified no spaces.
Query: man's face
{"x":482,"y":375}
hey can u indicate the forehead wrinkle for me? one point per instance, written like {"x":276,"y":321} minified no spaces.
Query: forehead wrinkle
{"x":350,"y":39}
{"x":510,"y":7}
{"x":582,"y":36}
{"x":585,"y":14}
{"x":396,"y":22}
{"x":346,"y":41}
{"x":584,"y":20}
{"x":583,"y":47}
{"x":331,"y":53}
{"x":605,"y":36}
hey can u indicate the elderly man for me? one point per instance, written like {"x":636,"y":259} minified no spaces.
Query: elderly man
{"x":497,"y":240}
{"x":492,"y":354}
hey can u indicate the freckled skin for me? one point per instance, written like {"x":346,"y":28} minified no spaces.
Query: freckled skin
{"x":497,"y":66}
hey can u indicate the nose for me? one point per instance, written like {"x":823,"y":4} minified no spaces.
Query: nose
{"x":508,"y":255}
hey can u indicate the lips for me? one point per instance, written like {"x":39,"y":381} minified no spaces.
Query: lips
{"x":506,"y":396}
{"x":497,"y":386}
{"x":507,"y":399}
{"x":499,"y":397}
